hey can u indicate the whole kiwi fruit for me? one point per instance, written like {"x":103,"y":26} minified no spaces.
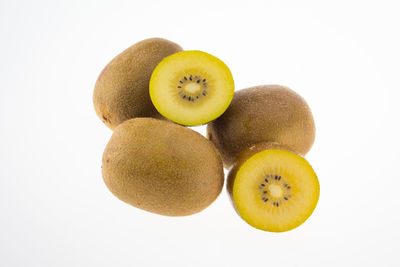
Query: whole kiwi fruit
{"x":266,"y":113}
{"x":122,"y":88}
{"x":162,"y":167}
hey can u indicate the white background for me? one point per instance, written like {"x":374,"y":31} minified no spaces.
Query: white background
{"x":341,"y":56}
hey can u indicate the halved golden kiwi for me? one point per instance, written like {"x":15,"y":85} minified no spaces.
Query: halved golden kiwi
{"x":274,"y":190}
{"x":191,"y":87}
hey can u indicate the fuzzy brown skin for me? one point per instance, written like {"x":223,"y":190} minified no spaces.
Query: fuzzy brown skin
{"x":162,"y":167}
{"x":267,"y":113}
{"x":122,"y":88}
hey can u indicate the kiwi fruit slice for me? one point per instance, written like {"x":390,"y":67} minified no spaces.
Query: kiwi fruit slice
{"x":267,"y":113}
{"x":162,"y":167}
{"x":191,"y":87}
{"x":122,"y":88}
{"x":273,"y":190}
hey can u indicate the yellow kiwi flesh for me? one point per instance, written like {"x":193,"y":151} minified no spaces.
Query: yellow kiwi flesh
{"x":246,"y":154}
{"x":191,"y":87}
{"x":267,"y":113}
{"x":162,"y":167}
{"x":122,"y":88}
{"x":274,"y":190}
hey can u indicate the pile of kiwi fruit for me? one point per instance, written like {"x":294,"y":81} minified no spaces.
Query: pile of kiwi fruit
{"x":153,"y":90}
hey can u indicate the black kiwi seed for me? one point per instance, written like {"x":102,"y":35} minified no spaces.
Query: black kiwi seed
{"x":190,"y":77}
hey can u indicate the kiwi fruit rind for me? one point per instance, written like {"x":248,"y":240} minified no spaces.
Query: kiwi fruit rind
{"x":162,"y":167}
{"x":273,"y":189}
{"x":267,"y":113}
{"x":122,"y":88}
{"x":191,"y":87}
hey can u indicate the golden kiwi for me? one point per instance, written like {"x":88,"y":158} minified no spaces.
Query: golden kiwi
{"x":191,"y":87}
{"x":273,"y":189}
{"x":122,"y":88}
{"x":162,"y":167}
{"x":268,"y":113}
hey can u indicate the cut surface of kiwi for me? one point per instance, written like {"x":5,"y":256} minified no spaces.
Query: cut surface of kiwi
{"x":274,"y":190}
{"x":191,"y":87}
